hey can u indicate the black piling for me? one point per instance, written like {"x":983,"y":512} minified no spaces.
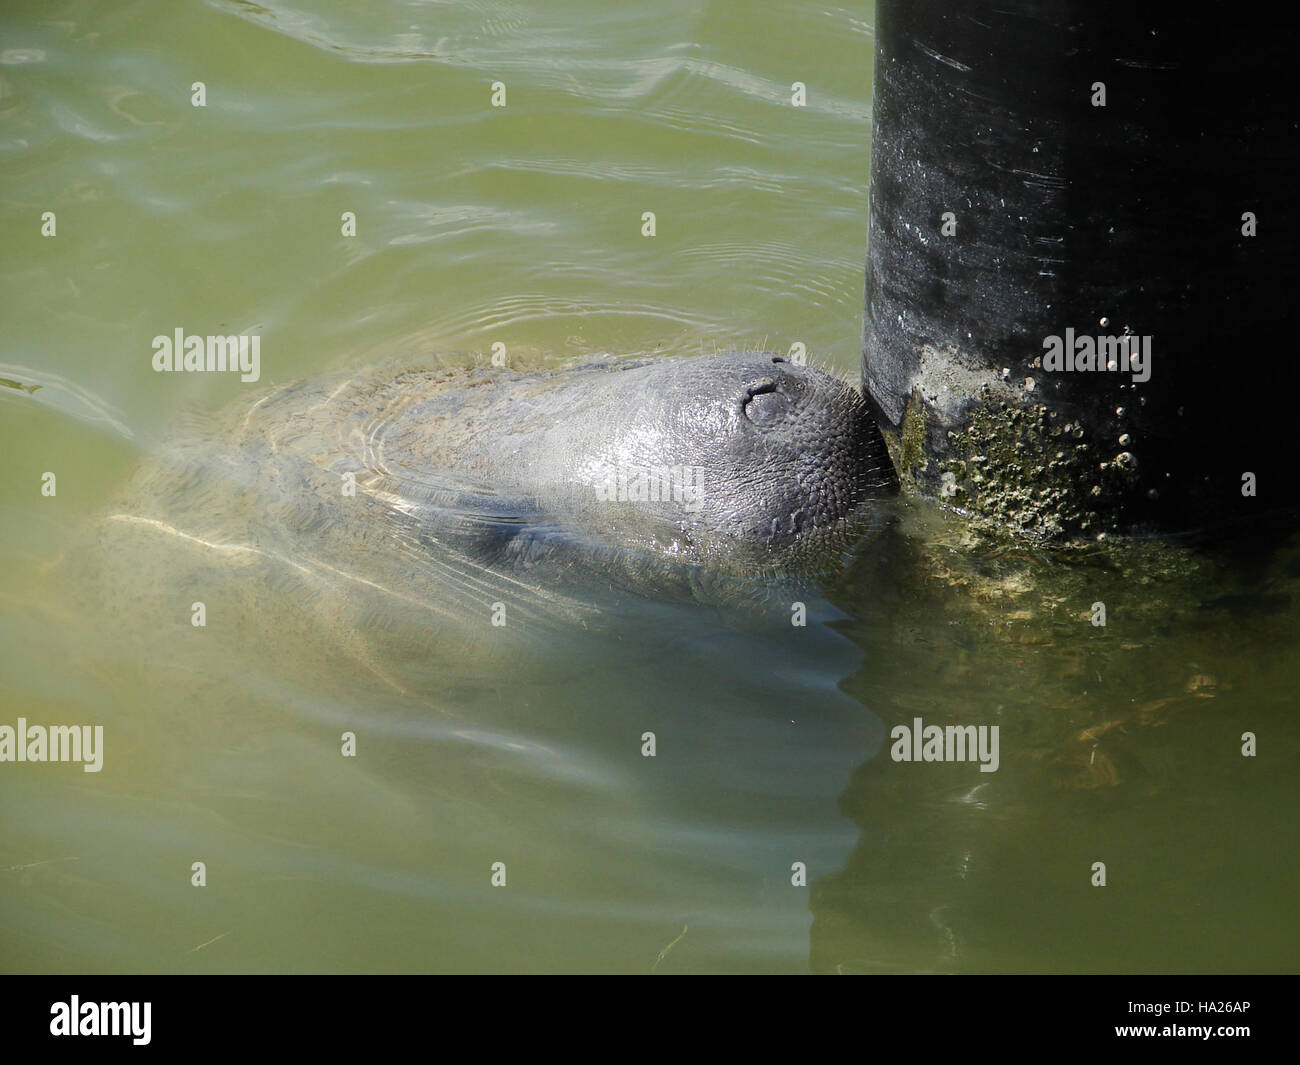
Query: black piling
{"x":1122,"y":180}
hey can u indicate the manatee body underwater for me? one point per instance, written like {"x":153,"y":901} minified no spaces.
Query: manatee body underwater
{"x":382,"y":498}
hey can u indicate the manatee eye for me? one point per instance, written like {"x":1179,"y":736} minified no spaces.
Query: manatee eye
{"x":777,"y":358}
{"x":763,"y":403}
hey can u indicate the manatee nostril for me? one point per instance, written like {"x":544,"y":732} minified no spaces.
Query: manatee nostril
{"x":763,"y":403}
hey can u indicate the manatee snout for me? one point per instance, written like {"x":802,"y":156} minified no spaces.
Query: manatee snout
{"x":815,"y":454}
{"x":782,"y":452}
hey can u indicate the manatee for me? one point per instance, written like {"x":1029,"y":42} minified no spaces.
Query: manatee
{"x":743,"y":456}
{"x":395,"y":502}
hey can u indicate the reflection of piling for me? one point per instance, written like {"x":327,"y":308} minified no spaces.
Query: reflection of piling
{"x":1041,"y":166}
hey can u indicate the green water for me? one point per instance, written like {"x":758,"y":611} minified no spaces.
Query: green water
{"x":522,"y":226}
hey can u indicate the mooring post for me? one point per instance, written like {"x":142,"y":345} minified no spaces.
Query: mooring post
{"x":1081,"y":287}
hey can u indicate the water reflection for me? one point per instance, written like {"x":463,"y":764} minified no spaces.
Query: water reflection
{"x":1120,"y":744}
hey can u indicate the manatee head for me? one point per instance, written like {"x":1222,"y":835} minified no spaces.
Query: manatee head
{"x":746,"y":448}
